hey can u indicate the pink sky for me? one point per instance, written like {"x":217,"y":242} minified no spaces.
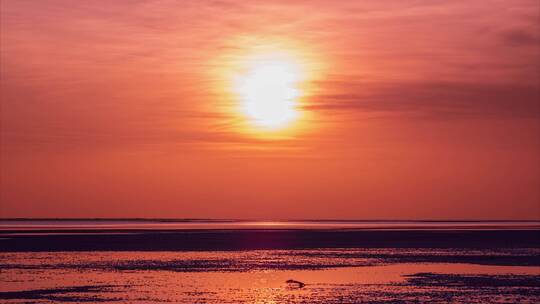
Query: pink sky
{"x":419,"y":110}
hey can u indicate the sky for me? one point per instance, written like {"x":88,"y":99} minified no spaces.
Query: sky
{"x":402,"y":109}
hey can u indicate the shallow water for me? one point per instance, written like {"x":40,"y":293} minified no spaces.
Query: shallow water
{"x":179,"y":224}
{"x":259,"y":276}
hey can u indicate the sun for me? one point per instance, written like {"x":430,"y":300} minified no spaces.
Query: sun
{"x":265,"y":86}
{"x":269,"y":91}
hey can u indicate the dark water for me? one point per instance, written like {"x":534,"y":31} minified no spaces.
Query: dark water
{"x":143,"y":262}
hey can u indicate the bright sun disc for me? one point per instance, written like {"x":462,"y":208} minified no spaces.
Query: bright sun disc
{"x":269,"y":93}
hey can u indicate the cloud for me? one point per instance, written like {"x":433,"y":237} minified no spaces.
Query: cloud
{"x":436,"y":99}
{"x":521,"y":37}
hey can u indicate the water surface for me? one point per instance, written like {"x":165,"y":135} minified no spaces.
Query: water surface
{"x":251,"y":262}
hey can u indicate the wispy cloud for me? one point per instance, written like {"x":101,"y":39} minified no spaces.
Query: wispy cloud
{"x":435,"y":99}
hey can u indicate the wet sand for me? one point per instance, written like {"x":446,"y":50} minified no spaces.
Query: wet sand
{"x":260,"y":276}
{"x":253,"y":265}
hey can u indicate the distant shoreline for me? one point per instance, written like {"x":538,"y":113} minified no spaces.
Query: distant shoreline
{"x":154,"y":226}
{"x":263,"y":220}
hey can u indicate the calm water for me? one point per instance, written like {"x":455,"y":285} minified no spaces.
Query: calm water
{"x":242,"y":224}
{"x":490,"y":274}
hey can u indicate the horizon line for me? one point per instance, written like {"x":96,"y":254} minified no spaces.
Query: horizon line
{"x":251,"y":220}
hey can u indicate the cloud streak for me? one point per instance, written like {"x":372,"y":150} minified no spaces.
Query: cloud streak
{"x":435,"y":99}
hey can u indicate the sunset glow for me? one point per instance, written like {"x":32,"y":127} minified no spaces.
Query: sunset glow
{"x":270,"y":109}
{"x":276,"y":151}
{"x":268,"y":93}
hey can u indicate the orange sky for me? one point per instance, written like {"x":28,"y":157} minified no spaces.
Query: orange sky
{"x":409,"y":110}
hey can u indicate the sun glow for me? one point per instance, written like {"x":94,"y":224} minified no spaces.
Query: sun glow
{"x":269,"y":91}
{"x":264,"y":86}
